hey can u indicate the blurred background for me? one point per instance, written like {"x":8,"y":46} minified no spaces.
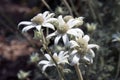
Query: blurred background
{"x":16,"y":48}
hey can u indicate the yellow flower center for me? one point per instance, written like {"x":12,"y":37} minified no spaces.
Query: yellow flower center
{"x":62,"y":28}
{"x":38,"y":19}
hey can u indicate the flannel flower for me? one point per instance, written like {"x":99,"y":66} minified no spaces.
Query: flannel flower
{"x":65,"y":28}
{"x":82,"y":50}
{"x":40,"y":20}
{"x":60,"y":58}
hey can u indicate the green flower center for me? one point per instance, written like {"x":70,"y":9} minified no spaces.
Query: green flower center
{"x":56,"y":58}
{"x":62,"y":28}
{"x":38,"y":19}
{"x":82,"y":49}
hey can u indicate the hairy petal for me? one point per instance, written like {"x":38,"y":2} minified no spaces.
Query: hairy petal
{"x":43,"y":62}
{"x":27,"y":28}
{"x":65,"y":39}
{"x":48,"y":25}
{"x":86,"y":38}
{"x":57,"y":39}
{"x":47,"y":56}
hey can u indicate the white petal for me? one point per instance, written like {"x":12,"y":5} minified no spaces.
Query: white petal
{"x":47,"y":56}
{"x":93,"y":46}
{"x":27,"y":28}
{"x":24,"y":23}
{"x":92,"y":53}
{"x":50,"y":15}
{"x":72,"y":23}
{"x":57,"y":39}
{"x":52,"y":34}
{"x":73,"y":52}
{"x":65,"y":39}
{"x":86,"y":38}
{"x":38,"y":27}
{"x":61,"y":53}
{"x":55,"y":54}
{"x":44,"y":62}
{"x":48,"y":25}
{"x":73,"y":44}
{"x":63,"y":61}
{"x":75,"y":32}
{"x":88,"y":58}
{"x":44,"y":67}
{"x":45,"y":14}
{"x":40,"y":14}
{"x":75,"y":60}
{"x":60,"y":19}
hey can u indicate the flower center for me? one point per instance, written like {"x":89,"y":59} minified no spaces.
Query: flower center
{"x":56,"y":58}
{"x":82,"y":49}
{"x":62,"y":28}
{"x":38,"y":19}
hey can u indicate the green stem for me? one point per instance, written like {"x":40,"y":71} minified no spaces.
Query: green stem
{"x":78,"y":71}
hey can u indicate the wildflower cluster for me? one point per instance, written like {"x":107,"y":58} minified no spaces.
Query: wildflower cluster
{"x":70,"y":43}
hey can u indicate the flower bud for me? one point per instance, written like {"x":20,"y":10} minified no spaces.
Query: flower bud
{"x":91,"y":27}
{"x":34,"y":58}
{"x":23,"y":75}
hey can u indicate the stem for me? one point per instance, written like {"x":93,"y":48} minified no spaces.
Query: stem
{"x":92,"y":10}
{"x":45,"y":3}
{"x":68,"y":6}
{"x":118,"y":68}
{"x":74,"y":8}
{"x":78,"y":71}
{"x":44,"y":41}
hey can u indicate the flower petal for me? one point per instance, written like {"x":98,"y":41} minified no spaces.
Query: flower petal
{"x":27,"y":28}
{"x":50,"y":15}
{"x":24,"y":23}
{"x":93,"y":46}
{"x":73,"y":44}
{"x":52,"y":34}
{"x":60,"y":19}
{"x":57,"y":39}
{"x":48,"y":25}
{"x":61,"y":53}
{"x":75,"y":60}
{"x":44,"y":62}
{"x":65,"y":39}
{"x":47,"y":56}
{"x":72,"y":22}
{"x":73,"y":52}
{"x":55,"y":54}
{"x":45,"y":14}
{"x":38,"y":27}
{"x":88,"y":58}
{"x":86,"y":38}
{"x":92,"y":53}
{"x":76,"y":32}
{"x":44,"y":67}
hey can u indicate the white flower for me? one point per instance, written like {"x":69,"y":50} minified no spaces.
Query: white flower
{"x":82,"y":50}
{"x":40,"y":20}
{"x":65,"y":28}
{"x":61,"y":58}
